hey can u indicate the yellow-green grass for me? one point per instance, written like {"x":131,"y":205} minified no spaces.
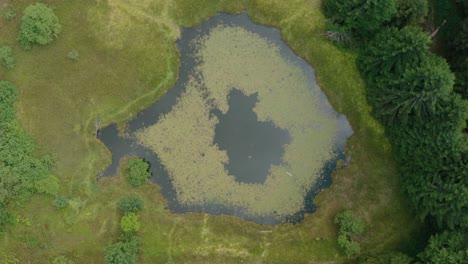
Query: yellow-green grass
{"x":127,"y":60}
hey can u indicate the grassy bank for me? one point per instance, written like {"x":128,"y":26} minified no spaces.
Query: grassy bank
{"x":127,"y":60}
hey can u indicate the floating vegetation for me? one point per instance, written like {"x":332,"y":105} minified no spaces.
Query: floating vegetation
{"x":232,"y":57}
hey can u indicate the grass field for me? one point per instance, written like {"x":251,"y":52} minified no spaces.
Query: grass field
{"x":127,"y":60}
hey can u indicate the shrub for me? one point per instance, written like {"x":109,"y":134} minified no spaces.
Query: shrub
{"x":125,"y":252}
{"x":5,"y":217}
{"x":349,"y":226}
{"x":130,"y":223}
{"x":6,"y":57}
{"x":131,"y":204}
{"x":10,"y":14}
{"x":73,"y":55}
{"x":39,"y":25}
{"x":138,"y":171}
{"x":61,"y":202}
{"x":48,"y":185}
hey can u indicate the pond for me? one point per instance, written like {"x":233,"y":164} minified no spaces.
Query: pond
{"x":245,"y":131}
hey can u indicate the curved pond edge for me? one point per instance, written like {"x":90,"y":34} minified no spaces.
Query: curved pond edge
{"x":127,"y":146}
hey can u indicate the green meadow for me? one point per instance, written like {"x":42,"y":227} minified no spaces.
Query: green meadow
{"x":127,"y":60}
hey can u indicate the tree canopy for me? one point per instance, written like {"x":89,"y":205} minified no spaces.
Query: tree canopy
{"x":138,"y":171}
{"x":364,"y":17}
{"x":446,"y":248}
{"x":39,"y":25}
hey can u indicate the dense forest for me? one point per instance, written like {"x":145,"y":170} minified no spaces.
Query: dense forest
{"x":417,"y":96}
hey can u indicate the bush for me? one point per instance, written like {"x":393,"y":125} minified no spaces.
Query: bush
{"x":39,"y":25}
{"x":125,"y":252}
{"x":6,"y":57}
{"x":5,"y":217}
{"x":10,"y":14}
{"x":131,"y":205}
{"x":130,"y":223}
{"x":61,"y":202}
{"x":349,"y":226}
{"x":73,"y":55}
{"x":48,"y":185}
{"x":138,"y":171}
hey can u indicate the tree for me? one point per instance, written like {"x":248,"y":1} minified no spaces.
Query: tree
{"x":446,"y":248}
{"x":131,"y":204}
{"x":411,"y":12}
{"x":125,"y":252}
{"x":8,"y":95}
{"x":39,"y":25}
{"x":6,"y":57}
{"x":419,"y":92}
{"x":434,"y":166}
{"x":364,"y":17}
{"x":138,"y":171}
{"x":392,"y":52}
{"x":391,"y":257}
{"x":349,"y":226}
{"x":130,"y":223}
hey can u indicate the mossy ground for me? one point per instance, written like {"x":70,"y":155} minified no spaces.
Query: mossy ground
{"x":127,"y":60}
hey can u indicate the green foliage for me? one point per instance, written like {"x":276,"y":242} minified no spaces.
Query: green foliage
{"x":419,"y":92}
{"x":411,"y":12}
{"x":348,"y":223}
{"x":138,"y":171}
{"x":364,"y":17}
{"x":48,"y":185}
{"x":131,"y":204}
{"x":10,"y":14}
{"x":8,"y":95}
{"x":446,"y":248}
{"x":124,"y":252}
{"x":6,"y":57}
{"x":5,"y":217}
{"x":21,"y":173}
{"x":391,"y":257}
{"x":39,"y":25}
{"x":73,"y":55}
{"x":61,"y":202}
{"x":349,"y":226}
{"x":459,"y":58}
{"x":130,"y":223}
{"x":392,"y":52}
{"x":433,"y":164}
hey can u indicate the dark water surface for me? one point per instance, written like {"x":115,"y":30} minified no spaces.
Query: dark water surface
{"x":252,"y":146}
